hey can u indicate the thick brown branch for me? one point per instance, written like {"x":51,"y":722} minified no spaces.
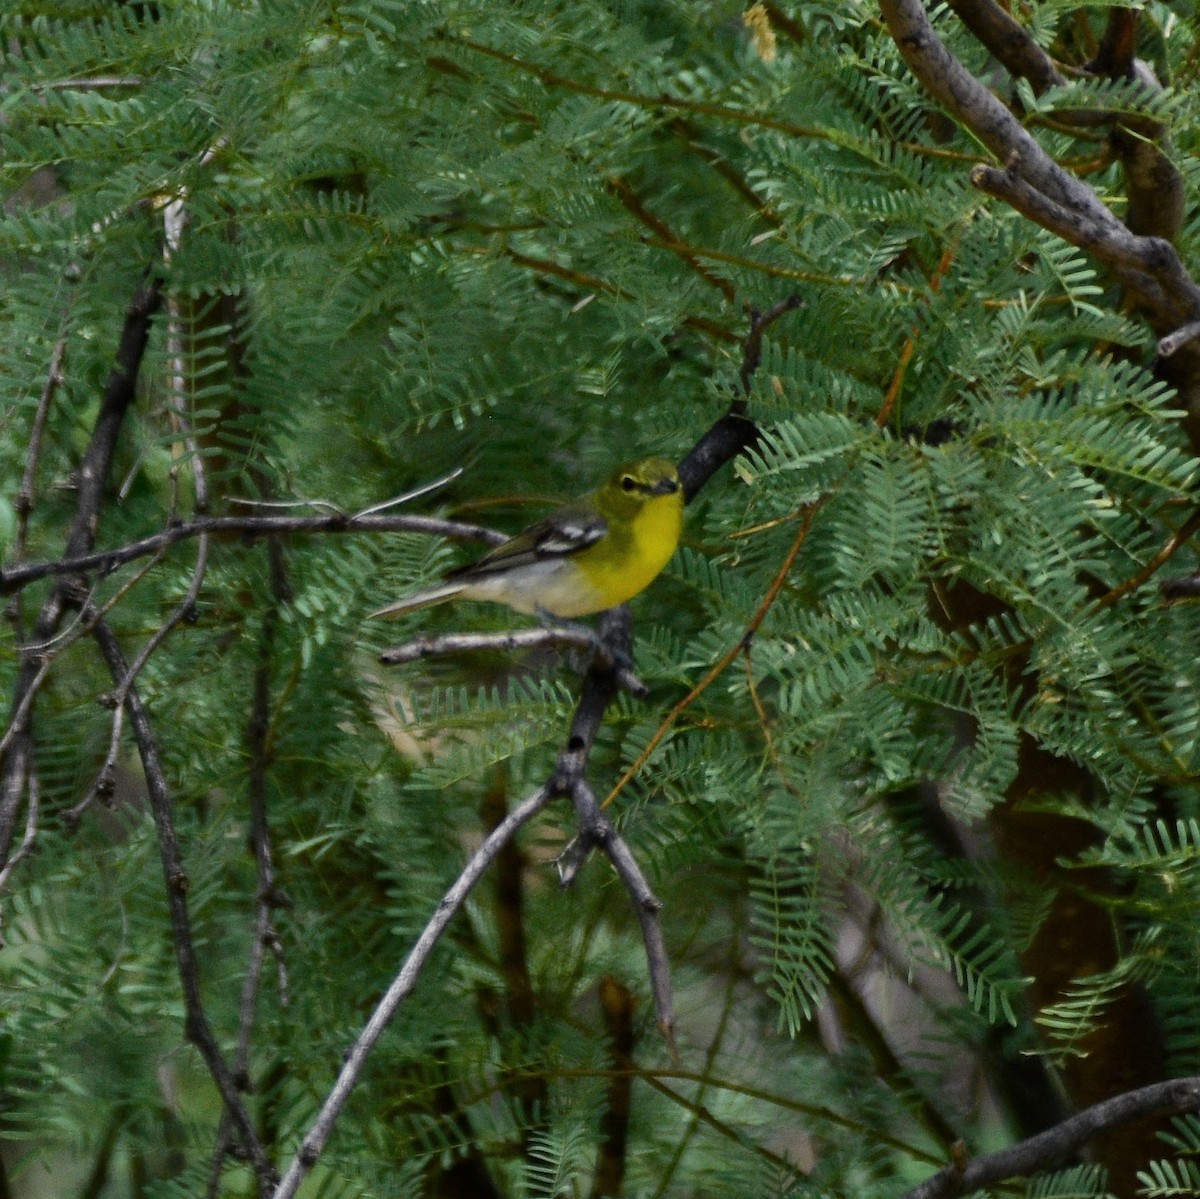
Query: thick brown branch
{"x":1042,"y":190}
{"x":1155,"y":189}
{"x":1148,"y":266}
{"x":1010,"y":42}
{"x":967,"y":100}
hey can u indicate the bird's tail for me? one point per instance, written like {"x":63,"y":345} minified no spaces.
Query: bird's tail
{"x":422,"y":599}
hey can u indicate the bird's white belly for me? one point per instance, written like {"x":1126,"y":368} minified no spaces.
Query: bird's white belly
{"x":560,"y":588}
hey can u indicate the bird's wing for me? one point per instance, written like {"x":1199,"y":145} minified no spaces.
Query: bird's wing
{"x":566,"y":532}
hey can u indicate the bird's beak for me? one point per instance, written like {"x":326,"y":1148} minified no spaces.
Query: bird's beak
{"x":665,"y":487}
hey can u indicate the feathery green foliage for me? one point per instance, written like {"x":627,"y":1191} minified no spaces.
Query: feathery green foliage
{"x":519,"y":238}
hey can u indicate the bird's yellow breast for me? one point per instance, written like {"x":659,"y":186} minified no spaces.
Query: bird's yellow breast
{"x":630,"y":561}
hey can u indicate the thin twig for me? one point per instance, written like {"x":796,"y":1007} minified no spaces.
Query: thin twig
{"x":1178,"y":539}
{"x":45,"y":652}
{"x":734,"y":433}
{"x":26,"y":702}
{"x":27,"y":492}
{"x":415,"y":494}
{"x":760,"y":322}
{"x":1175,"y":341}
{"x":787,"y":1171}
{"x":32,"y":812}
{"x":92,"y":476}
{"x":579,"y":636}
{"x":250,"y":526}
{"x":935,"y":281}
{"x":597,"y":829}
{"x":88,"y":84}
{"x":198,"y":1029}
{"x":268,"y":896}
{"x":103,"y":782}
{"x":657,"y":102}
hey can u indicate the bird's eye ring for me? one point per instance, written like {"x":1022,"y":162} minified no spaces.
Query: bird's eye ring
{"x":628,"y":483}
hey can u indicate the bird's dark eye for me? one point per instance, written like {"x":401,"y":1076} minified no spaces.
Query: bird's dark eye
{"x":628,"y":482}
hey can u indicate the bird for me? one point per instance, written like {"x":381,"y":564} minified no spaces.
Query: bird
{"x":592,"y":554}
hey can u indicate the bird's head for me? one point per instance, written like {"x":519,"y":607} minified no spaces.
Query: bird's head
{"x":647,"y":480}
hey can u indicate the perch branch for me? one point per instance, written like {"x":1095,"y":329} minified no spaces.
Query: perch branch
{"x":599,"y":688}
{"x":578,"y":636}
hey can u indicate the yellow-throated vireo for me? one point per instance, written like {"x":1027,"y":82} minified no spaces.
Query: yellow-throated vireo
{"x":592,"y":554}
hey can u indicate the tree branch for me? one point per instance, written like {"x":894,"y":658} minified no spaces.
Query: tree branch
{"x":1037,"y":187}
{"x":198,"y":1029}
{"x":578,"y":636}
{"x":401,"y":987}
{"x":23,"y":503}
{"x":965,"y":98}
{"x":249,"y":526}
{"x":1010,"y":42}
{"x":1052,"y":1147}
{"x":1148,"y":266}
{"x":268,"y":895}
{"x":604,"y":676}
{"x":1157,"y":195}
{"x":119,"y":392}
